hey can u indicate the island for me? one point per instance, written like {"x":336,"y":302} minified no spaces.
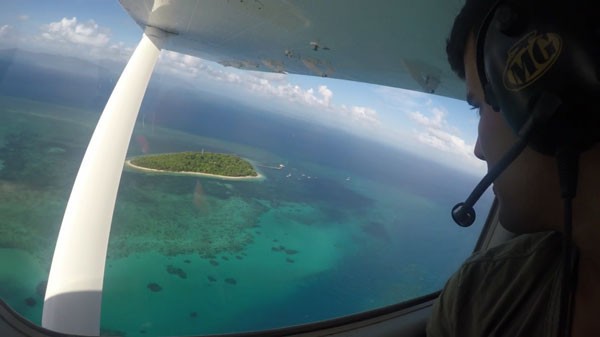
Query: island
{"x":218,"y":165}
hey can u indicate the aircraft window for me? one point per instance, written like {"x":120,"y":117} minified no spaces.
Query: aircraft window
{"x":351,"y":212}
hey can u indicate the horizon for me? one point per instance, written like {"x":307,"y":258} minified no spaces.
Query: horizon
{"x":439,"y":128}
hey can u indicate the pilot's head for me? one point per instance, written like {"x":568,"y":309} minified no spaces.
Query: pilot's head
{"x":528,"y":190}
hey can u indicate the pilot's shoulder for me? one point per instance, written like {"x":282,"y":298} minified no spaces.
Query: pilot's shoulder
{"x":525,"y":246}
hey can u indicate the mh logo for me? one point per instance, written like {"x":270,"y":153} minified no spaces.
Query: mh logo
{"x":530,"y":58}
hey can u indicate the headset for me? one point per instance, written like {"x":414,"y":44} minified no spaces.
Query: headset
{"x":539,"y":65}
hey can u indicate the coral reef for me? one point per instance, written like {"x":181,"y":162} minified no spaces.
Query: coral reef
{"x":155,"y":287}
{"x":176,"y":271}
{"x":40,"y":289}
{"x":230,"y":281}
{"x":282,"y":248}
{"x":145,"y":222}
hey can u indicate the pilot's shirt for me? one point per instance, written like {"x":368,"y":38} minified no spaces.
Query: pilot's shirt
{"x":509,"y":290}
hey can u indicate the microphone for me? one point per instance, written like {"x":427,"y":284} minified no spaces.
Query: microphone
{"x":463,"y":213}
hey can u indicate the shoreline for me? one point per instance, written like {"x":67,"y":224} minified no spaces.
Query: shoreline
{"x":186,"y":173}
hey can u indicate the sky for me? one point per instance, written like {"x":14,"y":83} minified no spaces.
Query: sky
{"x":438,"y":128}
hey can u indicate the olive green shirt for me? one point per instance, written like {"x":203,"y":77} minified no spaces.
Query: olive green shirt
{"x":510,"y":290}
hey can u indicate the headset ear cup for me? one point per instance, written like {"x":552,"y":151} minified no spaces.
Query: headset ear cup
{"x":490,"y":97}
{"x":510,"y":19}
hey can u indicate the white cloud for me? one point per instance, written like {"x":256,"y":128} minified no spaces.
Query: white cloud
{"x":189,"y":67}
{"x":436,"y":121}
{"x":315,"y":104}
{"x":72,"y":31}
{"x":368,"y":117}
{"x":82,"y":39}
{"x":23,"y":17}
{"x":270,"y":91}
{"x":319,"y":103}
{"x":445,"y":141}
{"x":403,"y":100}
{"x":326,"y":94}
{"x":120,"y":50}
{"x":5,"y":31}
{"x":434,"y":131}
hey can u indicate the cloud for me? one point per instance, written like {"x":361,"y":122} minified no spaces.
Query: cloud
{"x":188,"y":67}
{"x":71,"y":31}
{"x":445,"y":141}
{"x":23,"y":17}
{"x":315,"y":103}
{"x":434,"y":131}
{"x":5,"y":31}
{"x":320,"y":104}
{"x":402,"y":99}
{"x":436,"y":121}
{"x":326,"y":94}
{"x":82,"y":39}
{"x":120,"y":50}
{"x":366,"y":116}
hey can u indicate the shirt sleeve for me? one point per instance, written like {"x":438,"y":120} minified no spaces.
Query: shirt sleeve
{"x":443,"y":317}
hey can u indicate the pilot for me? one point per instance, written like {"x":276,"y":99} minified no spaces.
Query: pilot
{"x":546,"y":281}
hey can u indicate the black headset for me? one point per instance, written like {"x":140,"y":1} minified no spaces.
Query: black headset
{"x":539,"y":57}
{"x":539,"y":65}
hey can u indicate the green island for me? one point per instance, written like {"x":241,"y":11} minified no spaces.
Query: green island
{"x":218,"y":164}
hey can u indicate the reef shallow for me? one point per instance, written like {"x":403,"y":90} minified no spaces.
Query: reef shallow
{"x":154,"y":287}
{"x":215,"y":227}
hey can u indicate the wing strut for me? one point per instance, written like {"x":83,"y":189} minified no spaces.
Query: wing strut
{"x":74,"y":292}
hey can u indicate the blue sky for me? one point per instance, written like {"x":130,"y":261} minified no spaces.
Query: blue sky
{"x":435,"y":127}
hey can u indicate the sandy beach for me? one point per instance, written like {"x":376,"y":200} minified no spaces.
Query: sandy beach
{"x":199,"y":174}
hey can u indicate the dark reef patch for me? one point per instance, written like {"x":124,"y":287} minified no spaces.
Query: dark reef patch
{"x":214,"y":263}
{"x":282,"y":248}
{"x":176,"y":271}
{"x":230,"y":281}
{"x":30,"y":301}
{"x":40,"y":289}
{"x":211,"y":278}
{"x":155,"y":287}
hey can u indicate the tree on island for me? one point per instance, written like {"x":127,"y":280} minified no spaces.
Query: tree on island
{"x":200,"y":162}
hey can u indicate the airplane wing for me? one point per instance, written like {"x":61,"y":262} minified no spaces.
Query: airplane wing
{"x":398,"y":43}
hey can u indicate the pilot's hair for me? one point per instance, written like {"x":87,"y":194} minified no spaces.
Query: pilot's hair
{"x":466,"y":24}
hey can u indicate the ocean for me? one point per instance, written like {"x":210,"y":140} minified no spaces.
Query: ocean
{"x":347,"y":225}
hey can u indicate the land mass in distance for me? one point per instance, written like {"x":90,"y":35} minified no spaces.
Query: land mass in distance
{"x":218,"y":165}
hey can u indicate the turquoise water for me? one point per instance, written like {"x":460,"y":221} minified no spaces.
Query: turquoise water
{"x":335,"y":232}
